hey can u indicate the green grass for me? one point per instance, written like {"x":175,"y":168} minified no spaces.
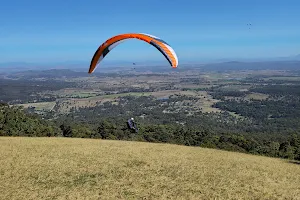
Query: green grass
{"x":127,"y":94}
{"x":66,"y":168}
{"x":256,"y":96}
{"x":40,"y":106}
{"x":235,"y":87}
{"x":82,"y":95}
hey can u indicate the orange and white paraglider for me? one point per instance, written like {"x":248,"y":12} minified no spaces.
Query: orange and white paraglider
{"x":111,"y":43}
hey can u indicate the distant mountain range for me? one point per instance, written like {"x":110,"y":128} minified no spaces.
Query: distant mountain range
{"x":74,"y":65}
{"x":287,"y":58}
{"x":291,"y":62}
{"x":259,"y":65}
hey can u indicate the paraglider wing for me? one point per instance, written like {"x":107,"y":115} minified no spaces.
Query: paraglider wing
{"x":111,"y":43}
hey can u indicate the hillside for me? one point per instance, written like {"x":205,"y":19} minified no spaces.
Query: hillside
{"x":68,"y":168}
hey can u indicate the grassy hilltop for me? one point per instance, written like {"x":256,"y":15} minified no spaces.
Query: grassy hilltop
{"x":68,"y":168}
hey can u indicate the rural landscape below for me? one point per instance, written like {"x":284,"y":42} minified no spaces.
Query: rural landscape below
{"x":251,"y":116}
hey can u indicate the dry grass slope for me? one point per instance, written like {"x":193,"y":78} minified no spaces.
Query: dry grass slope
{"x":61,"y":168}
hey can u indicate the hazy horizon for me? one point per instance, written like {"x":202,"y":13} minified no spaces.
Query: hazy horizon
{"x":159,"y":60}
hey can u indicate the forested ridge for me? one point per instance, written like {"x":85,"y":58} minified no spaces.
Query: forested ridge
{"x":108,"y":121}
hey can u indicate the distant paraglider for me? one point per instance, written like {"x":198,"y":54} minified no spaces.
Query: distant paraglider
{"x":249,"y":26}
{"x":111,"y":43}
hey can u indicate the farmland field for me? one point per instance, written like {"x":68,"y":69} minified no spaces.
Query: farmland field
{"x":65,"y":104}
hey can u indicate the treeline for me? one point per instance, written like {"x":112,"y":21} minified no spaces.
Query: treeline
{"x":178,"y":134}
{"x":262,"y":109}
{"x":15,"y":122}
{"x":266,"y":118}
{"x":215,"y":130}
{"x":278,"y":90}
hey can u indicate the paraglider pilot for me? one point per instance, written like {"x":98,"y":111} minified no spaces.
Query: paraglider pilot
{"x":132,"y":125}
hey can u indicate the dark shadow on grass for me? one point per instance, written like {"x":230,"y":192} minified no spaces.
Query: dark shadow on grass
{"x":294,"y":162}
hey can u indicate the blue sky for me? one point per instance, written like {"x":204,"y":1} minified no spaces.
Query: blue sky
{"x":54,"y":31}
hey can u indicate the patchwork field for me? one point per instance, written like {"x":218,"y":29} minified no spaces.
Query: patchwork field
{"x":93,"y":90}
{"x":63,"y":105}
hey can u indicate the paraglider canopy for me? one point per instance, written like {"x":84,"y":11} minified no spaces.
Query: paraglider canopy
{"x":111,"y":43}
